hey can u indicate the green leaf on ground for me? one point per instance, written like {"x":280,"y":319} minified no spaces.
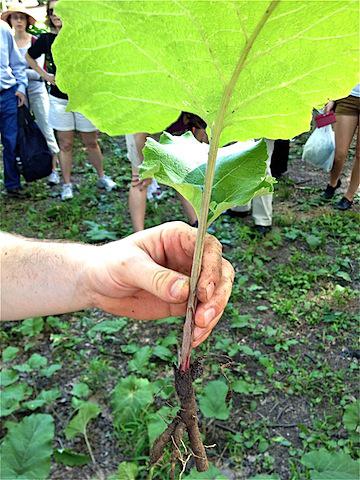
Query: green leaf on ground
{"x":129,"y":397}
{"x":127,"y":471}
{"x":156,"y":422}
{"x":78,"y":424}
{"x":27,"y":448}
{"x":37,"y":361}
{"x":11,"y":397}
{"x":7,"y":377}
{"x":351,"y":417}
{"x":161,"y":74}
{"x":45,"y":397}
{"x":212,"y":474}
{"x":140,"y":360}
{"x":326,"y":465}
{"x":31,"y":326}
{"x":80,"y":390}
{"x":213,"y":403}
{"x":107,"y":326}
{"x":9,"y":353}
{"x":71,"y":459}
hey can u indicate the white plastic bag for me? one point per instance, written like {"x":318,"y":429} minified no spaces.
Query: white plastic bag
{"x":319,"y":150}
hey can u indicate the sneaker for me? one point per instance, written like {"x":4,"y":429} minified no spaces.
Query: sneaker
{"x":67,"y":192}
{"x":53,"y":178}
{"x":329,"y":192}
{"x":344,"y":204}
{"x":106,"y":183}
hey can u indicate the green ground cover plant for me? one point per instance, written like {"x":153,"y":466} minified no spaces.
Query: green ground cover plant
{"x":283,"y":400}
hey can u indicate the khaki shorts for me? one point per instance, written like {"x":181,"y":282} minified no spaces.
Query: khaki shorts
{"x":63,"y":121}
{"x":348,"y":106}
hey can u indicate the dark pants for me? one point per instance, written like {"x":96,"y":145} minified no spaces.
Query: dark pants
{"x":8,"y":130}
{"x":280,"y":157}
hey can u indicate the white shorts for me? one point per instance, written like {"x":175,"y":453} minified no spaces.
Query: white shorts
{"x":63,"y":121}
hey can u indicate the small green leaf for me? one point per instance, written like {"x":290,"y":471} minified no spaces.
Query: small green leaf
{"x":27,"y":448}
{"x":156,"y":423}
{"x":78,"y":424}
{"x":107,"y":326}
{"x":163,"y":353}
{"x":45,"y":397}
{"x":313,"y":241}
{"x":180,"y":162}
{"x":326,"y":465}
{"x":212,"y":473}
{"x":71,"y":459}
{"x":9,"y":353}
{"x":351,"y":417}
{"x":50,"y":370}
{"x":11,"y":397}
{"x":240,"y":321}
{"x":7,"y":377}
{"x":31,"y":326}
{"x":344,"y":275}
{"x":141,"y":359}
{"x":212,"y":404}
{"x":80,"y":390}
{"x":127,"y":471}
{"x":129,"y":397}
{"x":37,"y":361}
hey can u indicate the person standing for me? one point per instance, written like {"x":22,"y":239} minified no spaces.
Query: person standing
{"x":346,"y":127}
{"x":66,"y":123}
{"x":19,"y":19}
{"x":13,"y":83}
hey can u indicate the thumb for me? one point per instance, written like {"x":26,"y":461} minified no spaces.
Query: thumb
{"x":166,"y":284}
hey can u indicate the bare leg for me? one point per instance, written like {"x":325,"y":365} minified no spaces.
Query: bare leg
{"x":355,"y":173}
{"x":137,"y":200}
{"x":55,"y":161}
{"x":93,"y":150}
{"x":66,"y":140}
{"x":344,"y":128}
{"x":188,"y":209}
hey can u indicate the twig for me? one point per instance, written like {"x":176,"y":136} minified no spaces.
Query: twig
{"x":226,"y":428}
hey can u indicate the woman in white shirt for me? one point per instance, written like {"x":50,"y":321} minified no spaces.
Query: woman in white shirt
{"x":347,"y":125}
{"x":19,"y":19}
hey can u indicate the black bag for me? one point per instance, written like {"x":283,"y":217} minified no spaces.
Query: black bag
{"x":33,"y":158}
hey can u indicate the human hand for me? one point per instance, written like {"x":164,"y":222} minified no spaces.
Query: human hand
{"x":146,"y":276}
{"x":21,"y":98}
{"x":329,"y":106}
{"x":48,"y":77}
{"x":141,"y":184}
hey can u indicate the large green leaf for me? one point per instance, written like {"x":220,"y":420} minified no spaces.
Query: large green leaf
{"x":180,"y":162}
{"x":78,"y":424}
{"x":213,"y":403}
{"x":326,"y":465}
{"x":27,"y":448}
{"x":133,"y":65}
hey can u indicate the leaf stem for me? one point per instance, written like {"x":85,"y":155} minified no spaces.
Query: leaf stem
{"x":216,"y":130}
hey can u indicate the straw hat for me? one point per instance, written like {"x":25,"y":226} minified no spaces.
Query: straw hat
{"x":17,"y":9}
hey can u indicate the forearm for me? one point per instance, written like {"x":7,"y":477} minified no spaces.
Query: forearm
{"x":32,"y":75}
{"x":42,"y":278}
{"x":35,"y":66}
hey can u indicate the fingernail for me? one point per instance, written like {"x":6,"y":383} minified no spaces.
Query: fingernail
{"x":177,"y":287}
{"x":209,"y":315}
{"x":210,"y":290}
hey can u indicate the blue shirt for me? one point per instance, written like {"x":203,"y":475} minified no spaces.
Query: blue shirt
{"x":12,"y":65}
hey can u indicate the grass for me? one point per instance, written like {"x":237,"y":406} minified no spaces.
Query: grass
{"x":285,"y":350}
